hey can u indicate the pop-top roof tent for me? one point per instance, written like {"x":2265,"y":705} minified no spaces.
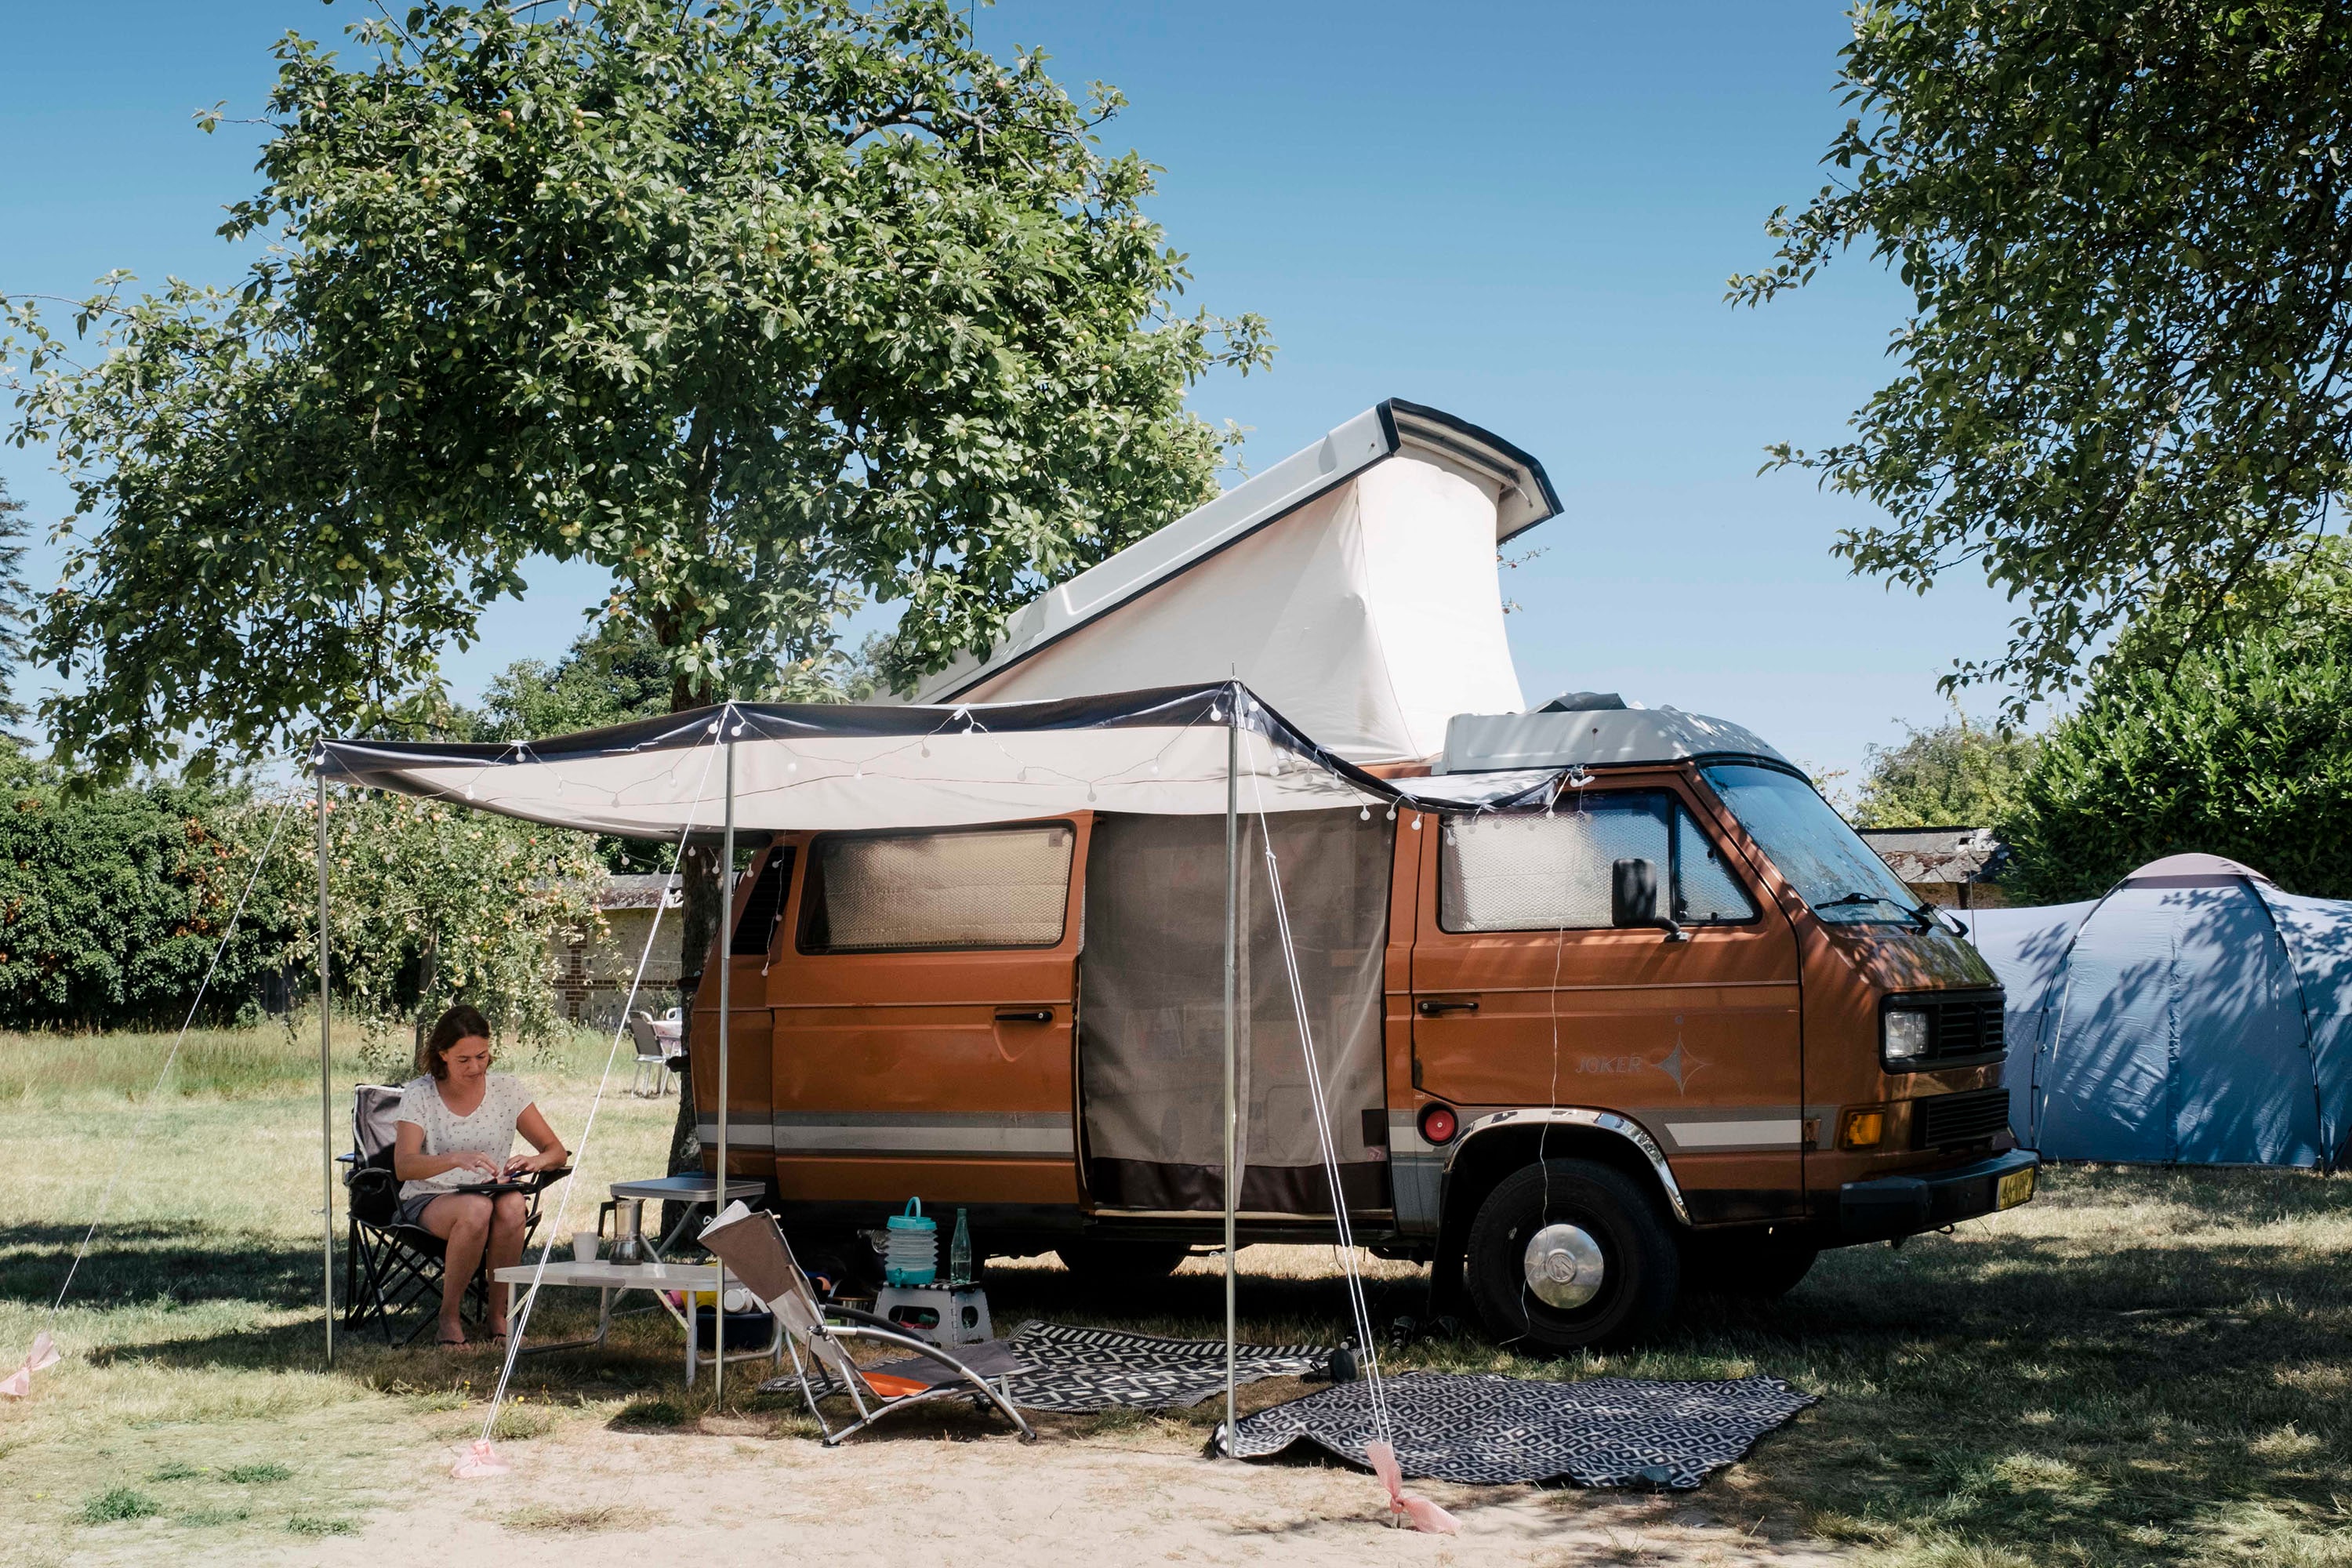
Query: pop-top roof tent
{"x":1351,"y":585}
{"x":2195,"y":1015}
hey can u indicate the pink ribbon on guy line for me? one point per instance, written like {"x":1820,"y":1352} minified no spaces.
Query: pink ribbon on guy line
{"x":19,"y":1384}
{"x":1426,"y":1516}
{"x":478,"y":1462}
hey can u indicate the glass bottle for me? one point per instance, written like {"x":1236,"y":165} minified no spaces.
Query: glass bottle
{"x":959,"y":1253}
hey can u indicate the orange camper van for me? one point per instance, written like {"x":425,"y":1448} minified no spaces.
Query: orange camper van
{"x":1663,"y":1023}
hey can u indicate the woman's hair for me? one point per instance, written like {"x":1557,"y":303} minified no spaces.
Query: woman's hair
{"x":459,"y":1023}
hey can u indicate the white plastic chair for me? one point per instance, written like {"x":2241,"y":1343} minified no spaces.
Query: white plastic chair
{"x":652,"y":1081}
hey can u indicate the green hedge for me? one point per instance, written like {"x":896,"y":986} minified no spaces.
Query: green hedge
{"x":2245,"y":753}
{"x":112,"y":906}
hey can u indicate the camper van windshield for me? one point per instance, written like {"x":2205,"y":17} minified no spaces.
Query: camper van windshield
{"x":1826,"y":861}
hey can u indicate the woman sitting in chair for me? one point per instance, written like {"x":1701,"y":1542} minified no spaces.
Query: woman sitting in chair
{"x":456,"y":1127}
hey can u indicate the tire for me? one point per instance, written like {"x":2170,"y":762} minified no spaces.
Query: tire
{"x":1753,"y":1266}
{"x":1098,"y":1262}
{"x":1640,"y":1267}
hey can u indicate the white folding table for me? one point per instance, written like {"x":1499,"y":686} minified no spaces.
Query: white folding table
{"x":609,"y":1279}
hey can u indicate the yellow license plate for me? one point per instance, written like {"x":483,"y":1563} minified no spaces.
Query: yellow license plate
{"x":2015,"y":1188}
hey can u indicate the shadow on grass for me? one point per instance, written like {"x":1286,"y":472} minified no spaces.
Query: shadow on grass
{"x":2115,"y":1402}
{"x":2152,"y":1370}
{"x":136,"y":1263}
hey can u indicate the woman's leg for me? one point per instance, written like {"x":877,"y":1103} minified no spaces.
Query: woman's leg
{"x":506,"y":1251}
{"x":462,"y":1220}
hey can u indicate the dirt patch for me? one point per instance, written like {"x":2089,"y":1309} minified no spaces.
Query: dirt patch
{"x":612,"y":1498}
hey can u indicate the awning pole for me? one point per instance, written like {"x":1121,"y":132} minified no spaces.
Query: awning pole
{"x":1233,"y":969}
{"x":326,"y":1088}
{"x":726,"y":967}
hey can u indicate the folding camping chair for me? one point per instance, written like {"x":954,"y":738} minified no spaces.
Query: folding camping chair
{"x":754,"y":1251}
{"x":390,"y":1267}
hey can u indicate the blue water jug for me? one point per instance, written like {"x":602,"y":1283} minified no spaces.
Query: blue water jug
{"x":913,"y":1254}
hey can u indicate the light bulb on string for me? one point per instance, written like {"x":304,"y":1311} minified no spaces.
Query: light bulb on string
{"x":1416,"y":822}
{"x":1365,"y":814}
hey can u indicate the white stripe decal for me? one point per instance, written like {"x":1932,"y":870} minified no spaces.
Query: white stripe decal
{"x":1724,"y":1134}
{"x":864,"y":1133}
{"x":744,"y":1134}
{"x":921,"y":1138}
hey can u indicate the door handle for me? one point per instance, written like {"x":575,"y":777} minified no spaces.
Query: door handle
{"x":1025,"y":1015}
{"x":1435,"y":1006}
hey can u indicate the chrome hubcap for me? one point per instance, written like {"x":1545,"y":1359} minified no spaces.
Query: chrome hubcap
{"x":1563,"y":1266}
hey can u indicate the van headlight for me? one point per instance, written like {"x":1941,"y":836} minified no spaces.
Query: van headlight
{"x":1903,"y":1037}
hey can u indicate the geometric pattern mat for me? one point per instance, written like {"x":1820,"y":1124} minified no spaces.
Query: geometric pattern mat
{"x":1485,"y":1429}
{"x":1076,"y":1370}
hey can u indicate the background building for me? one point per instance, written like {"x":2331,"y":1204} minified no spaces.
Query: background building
{"x":593,"y":978}
{"x":1956,"y":868}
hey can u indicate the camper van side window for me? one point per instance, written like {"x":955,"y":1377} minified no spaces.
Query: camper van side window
{"x":902,"y":892}
{"x":1706,"y":892}
{"x":1527,"y":871}
{"x":755,"y":928}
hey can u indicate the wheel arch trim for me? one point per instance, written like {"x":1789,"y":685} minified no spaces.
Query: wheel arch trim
{"x":1588,"y":1117}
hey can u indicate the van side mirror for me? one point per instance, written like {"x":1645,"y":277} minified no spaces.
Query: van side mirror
{"x":1633,"y":898}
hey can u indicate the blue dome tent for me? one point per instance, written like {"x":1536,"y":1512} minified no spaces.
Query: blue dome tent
{"x":2196,"y":1015}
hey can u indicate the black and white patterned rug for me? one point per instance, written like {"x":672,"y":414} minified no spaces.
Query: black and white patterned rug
{"x":1485,"y":1429}
{"x":1078,"y":1370}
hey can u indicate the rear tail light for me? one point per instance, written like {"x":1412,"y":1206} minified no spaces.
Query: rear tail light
{"x":1439,"y":1124}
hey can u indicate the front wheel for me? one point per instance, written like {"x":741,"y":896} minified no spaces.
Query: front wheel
{"x":1569,"y":1253}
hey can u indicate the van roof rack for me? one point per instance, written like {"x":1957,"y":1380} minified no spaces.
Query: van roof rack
{"x":1593,"y":735}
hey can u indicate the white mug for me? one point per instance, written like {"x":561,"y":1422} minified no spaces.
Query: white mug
{"x":583,"y":1246}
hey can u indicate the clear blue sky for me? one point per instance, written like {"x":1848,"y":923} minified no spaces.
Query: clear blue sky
{"x":1522,"y":214}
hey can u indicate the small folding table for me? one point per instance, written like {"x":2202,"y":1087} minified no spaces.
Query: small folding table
{"x":609,"y":1280}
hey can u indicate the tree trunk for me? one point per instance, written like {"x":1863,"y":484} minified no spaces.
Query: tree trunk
{"x":429,"y":970}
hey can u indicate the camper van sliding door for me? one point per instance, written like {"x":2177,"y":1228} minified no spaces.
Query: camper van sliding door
{"x":923,"y":991}
{"x":1152,"y":1013}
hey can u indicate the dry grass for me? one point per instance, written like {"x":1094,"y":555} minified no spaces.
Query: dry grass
{"x":540,"y":1519}
{"x":279,"y":1058}
{"x":2138,"y":1368}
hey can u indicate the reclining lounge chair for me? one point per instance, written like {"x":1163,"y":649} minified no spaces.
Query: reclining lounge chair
{"x":754,"y":1251}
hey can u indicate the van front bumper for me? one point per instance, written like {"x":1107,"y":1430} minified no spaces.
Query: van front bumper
{"x":1905,"y":1205}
